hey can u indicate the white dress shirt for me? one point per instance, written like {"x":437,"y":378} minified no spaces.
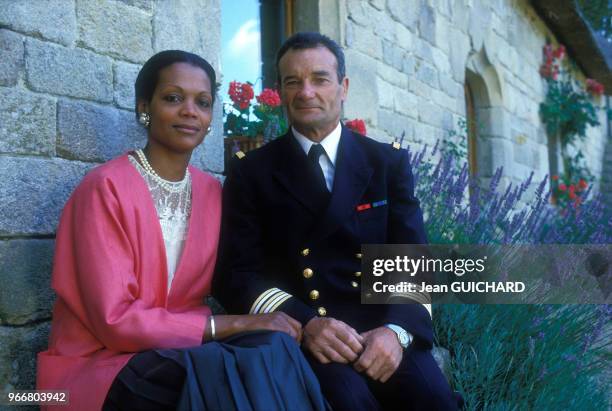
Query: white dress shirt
{"x":330,"y":145}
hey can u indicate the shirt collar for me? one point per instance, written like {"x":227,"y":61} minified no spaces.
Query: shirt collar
{"x":329,"y":142}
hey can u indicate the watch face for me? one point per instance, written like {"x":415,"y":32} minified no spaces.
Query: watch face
{"x":403,"y":337}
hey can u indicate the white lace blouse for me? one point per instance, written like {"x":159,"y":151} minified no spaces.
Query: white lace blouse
{"x":173,"y":209}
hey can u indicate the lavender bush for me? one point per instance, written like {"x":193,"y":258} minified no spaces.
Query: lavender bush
{"x":508,"y":357}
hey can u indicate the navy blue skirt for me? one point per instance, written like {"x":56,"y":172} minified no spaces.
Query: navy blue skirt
{"x":250,"y":371}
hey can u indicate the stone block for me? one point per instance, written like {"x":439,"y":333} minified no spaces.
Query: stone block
{"x":199,"y":31}
{"x":394,"y":124}
{"x":12,"y":61}
{"x":378,"y":4}
{"x":495,"y":121}
{"x":125,"y":77}
{"x":423,"y":51}
{"x":442,"y":33}
{"x":405,"y":103}
{"x":385,"y":93}
{"x":428,"y":75}
{"x":364,"y":40}
{"x":445,"y":102}
{"x":479,"y":24}
{"x":499,"y":26}
{"x":430,"y":113}
{"x":461,"y":16}
{"x":34,"y":191}
{"x":404,"y":37}
{"x":27,"y":122}
{"x":419,"y":88}
{"x":25,"y":272}
{"x":18,"y":349}
{"x":91,"y":132}
{"x":53,"y":20}
{"x":68,"y":72}
{"x":449,"y":86}
{"x":126,"y":30}
{"x":427,"y":24}
{"x":425,"y":134}
{"x":384,"y":26}
{"x":142,"y":4}
{"x":441,"y":60}
{"x":357,"y":12}
{"x":405,"y":11}
{"x":361,"y":69}
{"x":392,"y":75}
{"x":459,"y":54}
{"x":409,"y":64}
{"x":392,"y":54}
{"x":494,"y":153}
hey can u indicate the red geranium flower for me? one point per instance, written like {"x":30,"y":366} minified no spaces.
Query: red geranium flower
{"x":269,"y":97}
{"x":559,"y":53}
{"x":562,"y":187}
{"x":357,"y":125}
{"x":241,"y":94}
{"x":555,"y":178}
{"x":594,"y":87}
{"x":582,"y":184}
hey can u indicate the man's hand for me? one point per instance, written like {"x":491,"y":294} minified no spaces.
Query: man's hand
{"x":382,"y":355}
{"x":331,"y":340}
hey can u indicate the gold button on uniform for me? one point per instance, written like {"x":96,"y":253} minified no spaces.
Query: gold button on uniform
{"x":358,"y":255}
{"x":305,"y":251}
{"x":314,"y":295}
{"x":358,"y":274}
{"x":322,"y":311}
{"x":307,"y":273}
{"x":354,"y":284}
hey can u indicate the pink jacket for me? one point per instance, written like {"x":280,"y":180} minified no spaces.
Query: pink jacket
{"x":110,"y":277}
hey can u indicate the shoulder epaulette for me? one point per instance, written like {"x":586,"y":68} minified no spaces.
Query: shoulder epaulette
{"x":240,"y":154}
{"x":396,"y":145}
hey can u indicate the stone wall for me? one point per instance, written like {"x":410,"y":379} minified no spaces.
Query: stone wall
{"x":408,"y":62}
{"x":66,"y":104}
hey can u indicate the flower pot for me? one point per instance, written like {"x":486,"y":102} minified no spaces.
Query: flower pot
{"x":242,"y":143}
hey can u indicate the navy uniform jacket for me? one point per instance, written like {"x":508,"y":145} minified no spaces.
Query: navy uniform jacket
{"x":282,"y":250}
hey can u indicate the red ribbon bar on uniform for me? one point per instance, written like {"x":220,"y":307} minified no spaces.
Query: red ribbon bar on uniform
{"x":365,"y":206}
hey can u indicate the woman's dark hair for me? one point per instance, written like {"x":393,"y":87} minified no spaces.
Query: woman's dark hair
{"x":149,"y":73}
{"x":311,"y":40}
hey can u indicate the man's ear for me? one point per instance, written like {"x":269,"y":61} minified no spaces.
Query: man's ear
{"x":345,"y":87}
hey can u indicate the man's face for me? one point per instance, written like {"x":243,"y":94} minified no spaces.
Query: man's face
{"x":310,"y":90}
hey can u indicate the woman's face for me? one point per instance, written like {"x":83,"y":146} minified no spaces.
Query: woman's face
{"x":180,"y":109}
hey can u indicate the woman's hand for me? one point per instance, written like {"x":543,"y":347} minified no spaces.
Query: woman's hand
{"x":227,"y":325}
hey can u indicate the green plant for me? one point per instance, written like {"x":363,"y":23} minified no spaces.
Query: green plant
{"x":243,"y":119}
{"x":567,"y":111}
{"x":516,"y":357}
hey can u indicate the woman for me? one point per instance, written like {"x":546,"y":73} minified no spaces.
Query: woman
{"x":135,"y":253}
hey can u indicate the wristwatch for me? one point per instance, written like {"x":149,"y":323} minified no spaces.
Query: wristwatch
{"x":404,"y":337}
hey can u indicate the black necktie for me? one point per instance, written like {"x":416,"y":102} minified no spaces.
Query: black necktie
{"x":313,"y":155}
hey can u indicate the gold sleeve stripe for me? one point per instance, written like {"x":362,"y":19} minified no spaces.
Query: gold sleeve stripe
{"x":282,"y":300}
{"x":267,"y":307}
{"x":428,"y":307}
{"x":262,"y":297}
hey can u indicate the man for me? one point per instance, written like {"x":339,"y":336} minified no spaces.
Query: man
{"x":292,"y":235}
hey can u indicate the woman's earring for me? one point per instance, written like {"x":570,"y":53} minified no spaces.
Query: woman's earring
{"x":144,"y":119}
{"x":209,"y":130}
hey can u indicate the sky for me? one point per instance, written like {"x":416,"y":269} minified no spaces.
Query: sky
{"x":240,"y":39}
